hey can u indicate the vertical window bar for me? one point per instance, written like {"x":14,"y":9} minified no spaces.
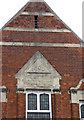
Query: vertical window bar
{"x":38,"y":101}
{"x":36,"y":21}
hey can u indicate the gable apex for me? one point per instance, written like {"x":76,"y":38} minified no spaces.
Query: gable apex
{"x":47,"y":20}
{"x":38,"y":64}
{"x":36,"y":0}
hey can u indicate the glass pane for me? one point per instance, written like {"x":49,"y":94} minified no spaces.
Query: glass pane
{"x":32,"y":101}
{"x":38,"y":116}
{"x":82,"y":111}
{"x":44,"y":102}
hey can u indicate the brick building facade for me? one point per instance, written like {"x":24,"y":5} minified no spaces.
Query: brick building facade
{"x":41,"y":66}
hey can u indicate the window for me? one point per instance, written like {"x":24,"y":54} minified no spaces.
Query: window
{"x":81,"y":107}
{"x":82,"y":111}
{"x":38,"y":105}
{"x":36,"y":21}
{"x":32,"y":101}
{"x":44,"y":102}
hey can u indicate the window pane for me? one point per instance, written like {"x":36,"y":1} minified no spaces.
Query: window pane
{"x":38,"y":116}
{"x":36,"y":21}
{"x":82,"y":111}
{"x":32,"y":101}
{"x":44,"y":102}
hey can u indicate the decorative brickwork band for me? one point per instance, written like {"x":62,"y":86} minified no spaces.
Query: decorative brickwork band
{"x":35,"y":30}
{"x":37,"y":13}
{"x":41,"y":44}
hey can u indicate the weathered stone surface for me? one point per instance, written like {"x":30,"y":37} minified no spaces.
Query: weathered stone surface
{"x":3,"y":94}
{"x":38,"y":73}
{"x":79,"y":94}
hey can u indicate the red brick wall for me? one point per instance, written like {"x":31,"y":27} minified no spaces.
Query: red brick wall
{"x":0,"y":73}
{"x":62,"y":59}
{"x":49,"y":22}
{"x":0,"y":35}
{"x":81,"y":87}
{"x":4,"y":109}
{"x":39,"y":37}
{"x":0,"y":110}
{"x":75,"y":110}
{"x":66,"y":60}
{"x":37,"y":7}
{"x":21,"y":106}
{"x":83,"y":62}
{"x":23,"y":22}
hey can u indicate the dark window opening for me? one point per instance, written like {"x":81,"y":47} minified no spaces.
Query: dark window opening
{"x":36,"y":21}
{"x":38,"y":116}
{"x":82,"y":111}
{"x":32,"y":102}
{"x":44,"y":102}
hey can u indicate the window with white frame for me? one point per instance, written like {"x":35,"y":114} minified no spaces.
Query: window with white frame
{"x":38,"y":105}
{"x":81,"y":108}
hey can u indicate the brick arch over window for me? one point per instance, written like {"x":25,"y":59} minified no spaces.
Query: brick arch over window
{"x":38,"y":73}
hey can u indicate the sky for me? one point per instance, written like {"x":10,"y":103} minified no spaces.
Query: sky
{"x":70,"y":12}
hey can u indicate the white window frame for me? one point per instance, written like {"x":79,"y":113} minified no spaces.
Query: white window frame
{"x":38,"y":101}
{"x":80,"y":104}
